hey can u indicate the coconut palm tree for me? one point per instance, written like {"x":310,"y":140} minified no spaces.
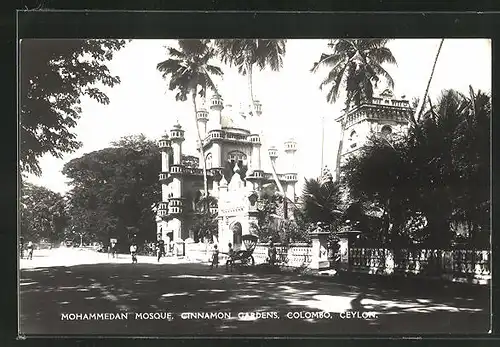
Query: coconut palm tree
{"x":321,"y":201}
{"x":189,"y":73}
{"x":419,"y":109}
{"x":245,"y":54}
{"x":355,"y":65}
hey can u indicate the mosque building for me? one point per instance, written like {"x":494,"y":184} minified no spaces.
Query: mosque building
{"x":232,"y":147}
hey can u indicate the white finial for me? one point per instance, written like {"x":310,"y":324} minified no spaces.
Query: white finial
{"x":236,"y":168}
{"x":223,"y":182}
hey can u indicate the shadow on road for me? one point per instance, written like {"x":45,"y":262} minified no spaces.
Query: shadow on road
{"x":48,"y":292}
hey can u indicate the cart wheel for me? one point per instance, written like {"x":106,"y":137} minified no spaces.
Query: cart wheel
{"x":252,"y":260}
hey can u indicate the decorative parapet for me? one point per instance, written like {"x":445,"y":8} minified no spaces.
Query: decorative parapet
{"x":216,"y":135}
{"x":163,"y":176}
{"x":175,"y":205}
{"x":162,"y":209}
{"x":290,"y":177}
{"x":255,"y":175}
{"x":176,"y":169}
{"x":183,"y":170}
{"x":164,"y":144}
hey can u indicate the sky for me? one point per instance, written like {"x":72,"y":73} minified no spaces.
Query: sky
{"x":292,"y":103}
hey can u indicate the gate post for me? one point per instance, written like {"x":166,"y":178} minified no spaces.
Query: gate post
{"x":319,"y":257}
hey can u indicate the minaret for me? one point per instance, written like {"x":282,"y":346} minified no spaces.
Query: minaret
{"x":256,"y":147}
{"x":256,"y":126}
{"x":202,"y":119}
{"x":273,"y":154}
{"x":216,"y":108}
{"x":175,"y":202}
{"x":165,"y":147}
{"x":291,"y":171}
{"x":177,"y":138}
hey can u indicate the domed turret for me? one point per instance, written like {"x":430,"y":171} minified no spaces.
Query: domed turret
{"x":202,"y":115}
{"x":217,"y":103}
{"x":290,"y":145}
{"x":164,"y":143}
{"x":273,"y":153}
{"x":258,"y":107}
{"x":176,"y":133}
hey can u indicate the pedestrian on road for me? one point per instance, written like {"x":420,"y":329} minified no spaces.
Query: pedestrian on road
{"x":30,"y":250}
{"x":160,"y":248}
{"x":133,"y":252}
{"x":271,"y":254}
{"x":230,"y":255}
{"x":215,"y":258}
{"x":113,"y":250}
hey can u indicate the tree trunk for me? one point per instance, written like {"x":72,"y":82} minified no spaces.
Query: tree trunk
{"x":420,"y":107}
{"x":254,"y":114}
{"x":339,"y":152}
{"x":203,"y":161}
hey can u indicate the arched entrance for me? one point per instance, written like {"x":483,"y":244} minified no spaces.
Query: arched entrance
{"x":237,"y":233}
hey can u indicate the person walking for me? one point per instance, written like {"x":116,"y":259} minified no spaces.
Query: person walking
{"x":133,"y":253}
{"x":230,"y":255}
{"x":215,"y":258}
{"x":160,"y":249}
{"x":30,"y":250}
{"x":113,"y":250}
{"x":271,"y":254}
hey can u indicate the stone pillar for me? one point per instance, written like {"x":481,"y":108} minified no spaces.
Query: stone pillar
{"x":319,"y":259}
{"x":346,"y":239}
{"x":344,"y":253}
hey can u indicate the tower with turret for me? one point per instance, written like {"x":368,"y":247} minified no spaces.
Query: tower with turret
{"x":232,"y":148}
{"x":386,"y":115}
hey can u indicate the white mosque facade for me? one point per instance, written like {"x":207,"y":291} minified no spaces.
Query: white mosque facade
{"x":233,"y":151}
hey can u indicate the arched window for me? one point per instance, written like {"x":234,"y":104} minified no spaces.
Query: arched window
{"x":237,"y":157}
{"x":353,"y":139}
{"x":386,"y":131}
{"x":208,"y":160}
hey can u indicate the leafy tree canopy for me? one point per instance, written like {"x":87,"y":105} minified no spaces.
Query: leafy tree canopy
{"x":54,"y":76}
{"x":114,"y":189}
{"x":435,"y":177}
{"x":42,"y":213}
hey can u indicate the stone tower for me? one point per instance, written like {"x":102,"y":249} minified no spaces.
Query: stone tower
{"x":385,"y":116}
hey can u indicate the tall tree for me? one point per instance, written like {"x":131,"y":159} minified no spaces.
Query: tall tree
{"x":190,"y":73}
{"x":42,"y":213}
{"x":205,"y":219}
{"x":437,"y":175}
{"x":114,"y":189}
{"x":355,"y":65}
{"x":54,"y":76}
{"x":246,"y":54}
{"x":419,"y":109}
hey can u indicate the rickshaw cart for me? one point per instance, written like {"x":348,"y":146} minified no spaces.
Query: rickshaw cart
{"x":245,"y":257}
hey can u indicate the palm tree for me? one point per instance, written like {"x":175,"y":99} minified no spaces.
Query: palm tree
{"x":245,"y":54}
{"x":321,"y":201}
{"x":356,"y":65}
{"x":420,"y":107}
{"x":190,"y":74}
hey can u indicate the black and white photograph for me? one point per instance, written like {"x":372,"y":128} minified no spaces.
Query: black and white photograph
{"x":254,"y":187}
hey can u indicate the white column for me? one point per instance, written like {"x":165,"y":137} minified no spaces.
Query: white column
{"x":256,"y":157}
{"x":290,"y":190}
{"x":164,"y":192}
{"x":177,"y":187}
{"x":216,"y":155}
{"x":177,"y":149}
